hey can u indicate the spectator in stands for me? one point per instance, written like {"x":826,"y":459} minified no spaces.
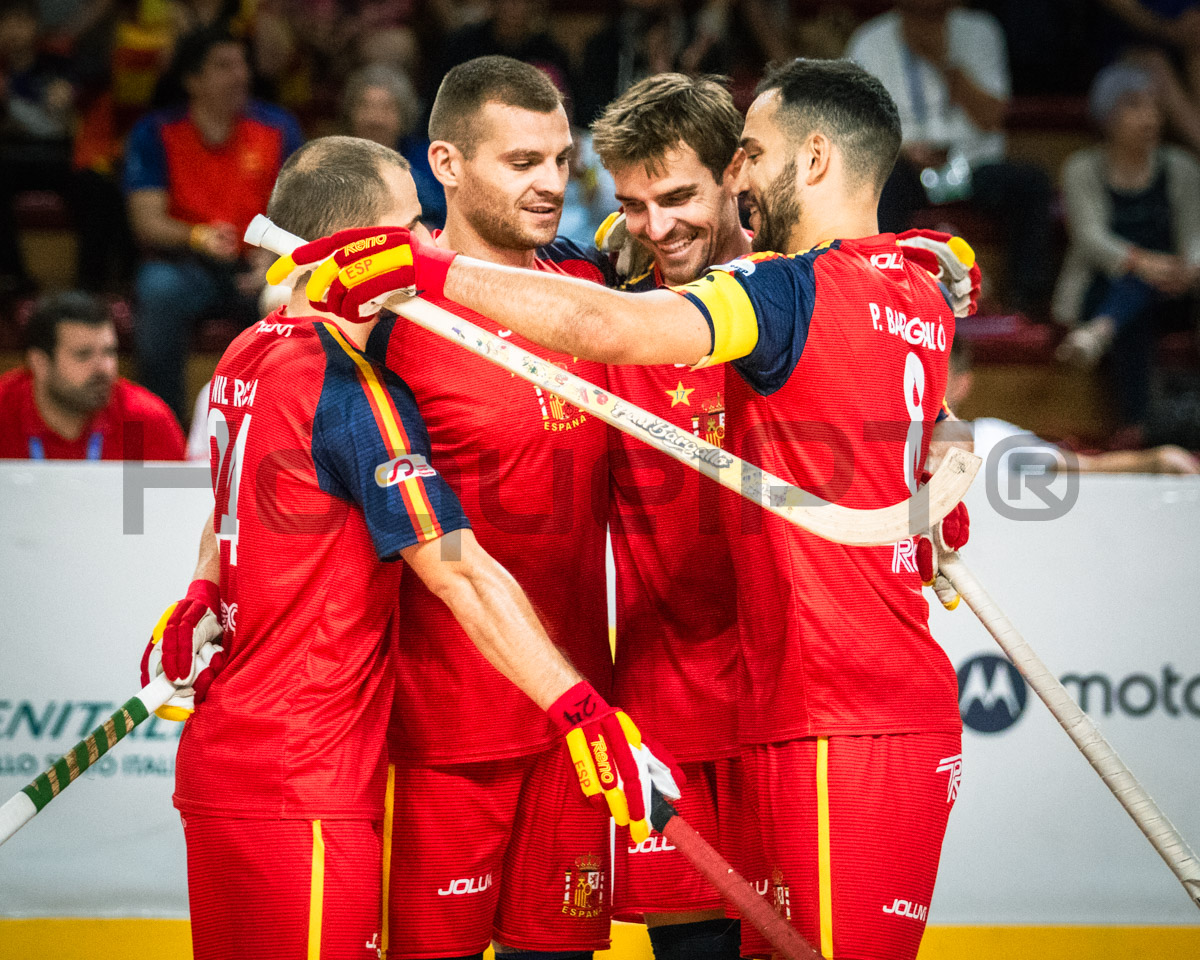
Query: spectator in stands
{"x":645,"y":37}
{"x":194,"y":178}
{"x":380,"y":104}
{"x":67,"y":402}
{"x":947,"y":70}
{"x":1133,"y":215}
{"x":35,"y":126}
{"x":1163,"y":37}
{"x":515,"y":28}
{"x":990,"y":432}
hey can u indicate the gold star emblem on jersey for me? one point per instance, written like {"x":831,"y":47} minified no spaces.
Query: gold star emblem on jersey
{"x":680,"y":395}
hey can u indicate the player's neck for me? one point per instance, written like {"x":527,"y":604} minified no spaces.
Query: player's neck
{"x":733,"y":243}
{"x":461,"y":237}
{"x":840,"y":222}
{"x":356,"y":333}
{"x":68,"y":424}
{"x":215,"y":123}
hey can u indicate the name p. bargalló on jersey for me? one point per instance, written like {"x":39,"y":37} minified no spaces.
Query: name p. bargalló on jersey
{"x":930,"y":334}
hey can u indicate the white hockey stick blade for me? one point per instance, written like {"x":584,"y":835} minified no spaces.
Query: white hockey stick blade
{"x":22,"y":807}
{"x":884,"y":525}
{"x":1080,"y":728}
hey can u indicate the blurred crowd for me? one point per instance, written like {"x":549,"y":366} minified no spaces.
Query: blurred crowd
{"x":159,"y":126}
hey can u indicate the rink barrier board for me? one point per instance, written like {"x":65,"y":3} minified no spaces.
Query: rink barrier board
{"x":118,"y":939}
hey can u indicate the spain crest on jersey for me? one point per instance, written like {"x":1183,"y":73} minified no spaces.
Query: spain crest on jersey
{"x":709,"y":423}
{"x":583,"y":894}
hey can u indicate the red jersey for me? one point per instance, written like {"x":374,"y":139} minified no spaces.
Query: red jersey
{"x":530,"y":472}
{"x":843,"y":359}
{"x":207,"y":182}
{"x":677,"y":651}
{"x":134,"y":425}
{"x":321,"y":472}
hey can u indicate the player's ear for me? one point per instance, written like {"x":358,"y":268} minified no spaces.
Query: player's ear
{"x":729,"y":177}
{"x":817,"y":155}
{"x":445,"y":160}
{"x":39,"y":362}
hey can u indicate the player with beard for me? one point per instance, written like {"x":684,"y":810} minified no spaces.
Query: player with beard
{"x":850,"y":729}
{"x":669,"y":143}
{"x":68,"y":403}
{"x":468,"y":865}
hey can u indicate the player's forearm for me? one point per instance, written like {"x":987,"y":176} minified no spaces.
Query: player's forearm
{"x":208,"y":562}
{"x":947,"y":434}
{"x":154,"y":228}
{"x":581,"y":318}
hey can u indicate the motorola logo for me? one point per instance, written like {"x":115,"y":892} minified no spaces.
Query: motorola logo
{"x":991,"y":693}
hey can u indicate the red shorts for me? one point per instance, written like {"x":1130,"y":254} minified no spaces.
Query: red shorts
{"x":504,"y":850}
{"x":851,"y":832}
{"x":283,"y":888}
{"x":652,"y":876}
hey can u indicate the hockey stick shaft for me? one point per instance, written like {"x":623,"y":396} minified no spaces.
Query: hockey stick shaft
{"x":834,"y":522}
{"x":729,"y":883}
{"x":29,"y":802}
{"x":1083,"y":732}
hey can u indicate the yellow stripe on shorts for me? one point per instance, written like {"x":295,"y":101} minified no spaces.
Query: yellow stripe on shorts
{"x":824,"y":872}
{"x":389,"y":813}
{"x":316,"y":897}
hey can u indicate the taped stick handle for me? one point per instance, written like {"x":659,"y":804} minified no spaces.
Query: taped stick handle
{"x":833,"y":522}
{"x":22,"y":807}
{"x":727,"y":881}
{"x":1079,"y":726}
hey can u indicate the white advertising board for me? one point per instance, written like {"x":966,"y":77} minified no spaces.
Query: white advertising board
{"x":1107,"y":594}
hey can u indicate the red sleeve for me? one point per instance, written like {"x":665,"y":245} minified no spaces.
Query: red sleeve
{"x":163,"y":436}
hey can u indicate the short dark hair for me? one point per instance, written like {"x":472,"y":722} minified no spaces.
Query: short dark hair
{"x":66,"y":306}
{"x":844,"y":102}
{"x":192,"y":52}
{"x":660,"y":112}
{"x":332,"y":183}
{"x":493,"y":79}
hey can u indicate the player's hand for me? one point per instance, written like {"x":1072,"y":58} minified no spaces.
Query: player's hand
{"x":614,"y":762}
{"x":354,"y":272}
{"x":949,"y":534}
{"x":613,"y":237}
{"x":181,"y":631}
{"x":951,"y":261}
{"x":218,"y":240}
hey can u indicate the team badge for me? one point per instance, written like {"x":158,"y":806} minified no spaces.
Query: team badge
{"x":557,"y":413}
{"x":781,"y":895}
{"x":583,"y":894}
{"x":709,"y":423}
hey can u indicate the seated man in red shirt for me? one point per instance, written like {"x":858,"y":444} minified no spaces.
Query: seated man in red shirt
{"x":68,"y":403}
{"x":195,"y":176}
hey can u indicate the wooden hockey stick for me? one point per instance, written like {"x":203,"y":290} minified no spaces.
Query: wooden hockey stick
{"x":728,"y":882}
{"x":831,"y":521}
{"x":1080,"y":728}
{"x":24,"y":806}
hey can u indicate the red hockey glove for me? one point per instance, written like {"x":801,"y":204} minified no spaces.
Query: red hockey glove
{"x":355,"y":271}
{"x":950,"y":534}
{"x":951,"y":261}
{"x":615,"y":763}
{"x":181,"y":631}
